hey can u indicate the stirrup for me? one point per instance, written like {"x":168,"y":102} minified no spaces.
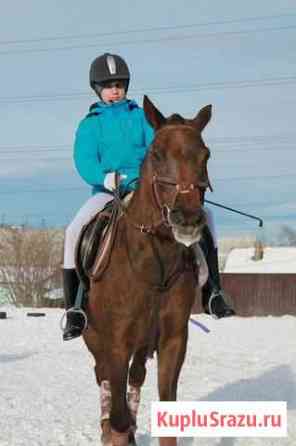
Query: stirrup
{"x":227,"y":308}
{"x":212,"y":297}
{"x":73,"y":310}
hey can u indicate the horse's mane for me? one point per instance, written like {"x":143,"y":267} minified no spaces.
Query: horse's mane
{"x":175,"y":119}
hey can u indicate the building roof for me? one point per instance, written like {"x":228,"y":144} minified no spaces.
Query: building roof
{"x":275,"y":260}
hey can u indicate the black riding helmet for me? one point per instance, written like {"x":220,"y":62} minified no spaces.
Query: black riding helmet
{"x":106,"y":68}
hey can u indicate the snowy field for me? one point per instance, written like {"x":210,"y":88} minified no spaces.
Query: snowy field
{"x":48,"y":394}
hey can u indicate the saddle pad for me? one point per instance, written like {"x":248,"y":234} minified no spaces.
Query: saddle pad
{"x":106,"y":244}
{"x":95,"y":243}
{"x":107,"y":240}
{"x":88,"y":243}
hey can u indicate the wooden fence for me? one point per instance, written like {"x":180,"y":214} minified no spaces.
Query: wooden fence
{"x":259,"y":294}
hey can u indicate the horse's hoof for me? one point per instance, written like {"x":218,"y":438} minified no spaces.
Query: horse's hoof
{"x":106,"y":437}
{"x":119,"y":438}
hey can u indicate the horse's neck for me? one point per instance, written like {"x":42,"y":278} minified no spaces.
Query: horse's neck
{"x":142,"y":210}
{"x":142,"y":207}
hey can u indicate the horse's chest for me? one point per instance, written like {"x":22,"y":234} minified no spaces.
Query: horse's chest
{"x":147,"y":266}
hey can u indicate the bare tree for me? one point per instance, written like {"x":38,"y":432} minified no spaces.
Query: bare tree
{"x":287,"y":236}
{"x":30,"y":264}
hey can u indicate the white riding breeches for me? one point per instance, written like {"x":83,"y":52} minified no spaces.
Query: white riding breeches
{"x":93,"y":205}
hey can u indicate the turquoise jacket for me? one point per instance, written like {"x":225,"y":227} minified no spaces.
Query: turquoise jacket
{"x":112,"y":137}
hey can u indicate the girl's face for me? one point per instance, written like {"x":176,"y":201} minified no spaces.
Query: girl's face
{"x":113,"y":92}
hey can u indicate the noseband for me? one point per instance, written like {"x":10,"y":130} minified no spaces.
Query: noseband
{"x":179,"y":188}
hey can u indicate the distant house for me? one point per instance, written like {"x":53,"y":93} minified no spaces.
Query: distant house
{"x":261,"y":287}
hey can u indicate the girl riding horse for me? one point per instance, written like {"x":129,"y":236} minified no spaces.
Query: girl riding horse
{"x":114,"y":137}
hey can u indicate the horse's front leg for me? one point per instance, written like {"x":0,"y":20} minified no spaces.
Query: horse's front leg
{"x":105,"y":402}
{"x":136,"y":379}
{"x":170,"y":360}
{"x":120,"y":418}
{"x":137,"y":374}
{"x":102,"y":377}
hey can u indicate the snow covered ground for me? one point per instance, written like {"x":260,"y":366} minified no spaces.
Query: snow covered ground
{"x":48,"y":394}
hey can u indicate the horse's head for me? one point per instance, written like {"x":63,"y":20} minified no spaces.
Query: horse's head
{"x":178,"y":169}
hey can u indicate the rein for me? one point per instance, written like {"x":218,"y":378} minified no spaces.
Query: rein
{"x":145,"y":229}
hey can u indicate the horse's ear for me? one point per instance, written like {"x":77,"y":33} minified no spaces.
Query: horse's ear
{"x":203,"y":117}
{"x":153,"y":115}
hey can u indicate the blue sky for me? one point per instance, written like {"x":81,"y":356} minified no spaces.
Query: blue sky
{"x":239,"y":56}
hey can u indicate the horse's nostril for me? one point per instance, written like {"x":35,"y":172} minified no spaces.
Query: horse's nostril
{"x":198,"y":219}
{"x":177,"y":217}
{"x":181,"y":218}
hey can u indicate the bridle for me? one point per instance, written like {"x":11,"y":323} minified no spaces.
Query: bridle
{"x":165,"y":208}
{"x":179,"y":188}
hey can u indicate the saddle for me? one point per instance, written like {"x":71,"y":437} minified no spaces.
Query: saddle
{"x":95,"y":243}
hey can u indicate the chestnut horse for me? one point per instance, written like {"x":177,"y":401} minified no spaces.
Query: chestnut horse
{"x":151,"y":280}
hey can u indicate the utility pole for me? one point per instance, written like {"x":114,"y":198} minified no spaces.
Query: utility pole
{"x":25,"y":222}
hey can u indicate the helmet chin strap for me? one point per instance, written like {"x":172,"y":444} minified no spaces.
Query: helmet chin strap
{"x":98,"y":91}
{"x":112,"y":101}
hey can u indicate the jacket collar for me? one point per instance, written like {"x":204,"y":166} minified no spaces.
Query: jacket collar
{"x":100,"y":107}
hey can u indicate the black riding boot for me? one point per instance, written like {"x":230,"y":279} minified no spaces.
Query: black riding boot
{"x":212,"y":296}
{"x":75,"y":320}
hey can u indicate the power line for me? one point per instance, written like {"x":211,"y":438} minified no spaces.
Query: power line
{"x":252,"y":139}
{"x":218,"y":34}
{"x":283,"y":80}
{"x":284,"y":138}
{"x":234,"y":149}
{"x":257,"y":149}
{"x":232,"y":144}
{"x":144,"y":30}
{"x":60,"y":189}
{"x":28,"y":158}
{"x":30,"y":191}
{"x":256,"y":177}
{"x":34,"y":147}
